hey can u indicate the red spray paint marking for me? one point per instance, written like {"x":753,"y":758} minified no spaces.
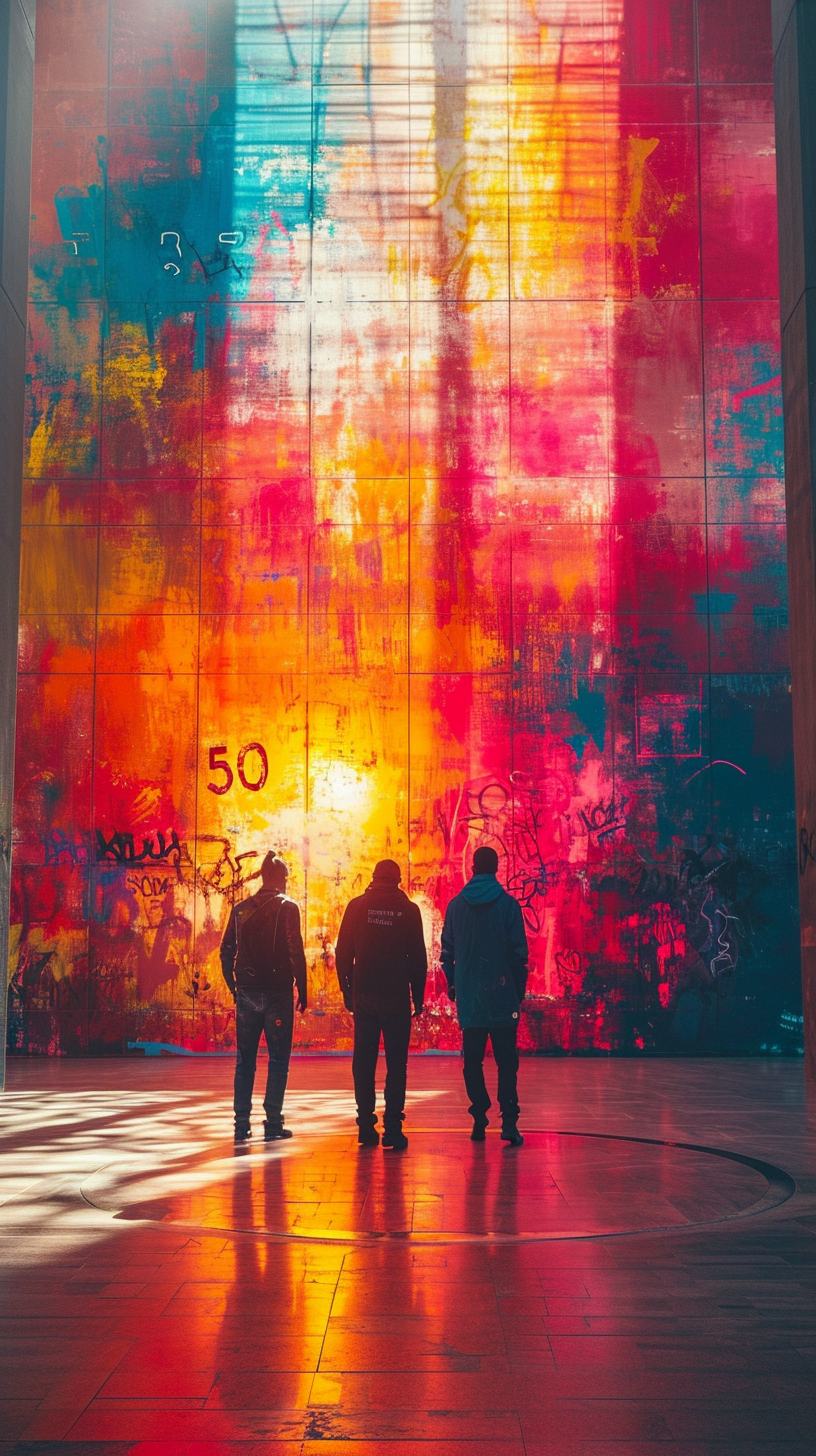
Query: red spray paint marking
{"x":767,"y":387}
{"x":726,"y":761}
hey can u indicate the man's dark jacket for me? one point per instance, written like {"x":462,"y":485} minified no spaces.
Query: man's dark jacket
{"x":380,"y":954}
{"x":484,"y":954}
{"x":262,"y":949}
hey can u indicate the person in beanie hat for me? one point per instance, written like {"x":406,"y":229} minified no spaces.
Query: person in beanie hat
{"x":261,"y":957}
{"x":484,"y":957}
{"x":381,"y":966}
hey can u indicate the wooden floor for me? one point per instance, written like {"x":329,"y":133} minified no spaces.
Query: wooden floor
{"x":617,"y":1285}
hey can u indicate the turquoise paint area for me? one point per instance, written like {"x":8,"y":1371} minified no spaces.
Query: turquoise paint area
{"x":223,"y":209}
{"x":590,"y":708}
{"x":746,"y":430}
{"x":714,"y":601}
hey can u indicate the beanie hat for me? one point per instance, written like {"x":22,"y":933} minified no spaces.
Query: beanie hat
{"x":386,"y":872}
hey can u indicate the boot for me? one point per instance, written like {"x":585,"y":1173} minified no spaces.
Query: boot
{"x":368,"y":1137}
{"x":510,"y":1133}
{"x":243,"y":1132}
{"x":274,"y":1130}
{"x":396,"y":1141}
{"x":393,"y":1136}
{"x":477,"y":1132}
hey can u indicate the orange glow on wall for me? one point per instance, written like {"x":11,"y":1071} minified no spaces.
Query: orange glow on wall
{"x":404,"y":474}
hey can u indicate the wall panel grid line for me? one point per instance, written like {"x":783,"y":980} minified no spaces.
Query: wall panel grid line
{"x":404,"y":473}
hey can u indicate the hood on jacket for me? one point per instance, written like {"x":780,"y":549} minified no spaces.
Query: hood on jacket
{"x":482,"y":890}
{"x":384,"y":887}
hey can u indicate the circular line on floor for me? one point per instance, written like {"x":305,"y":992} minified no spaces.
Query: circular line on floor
{"x":781,"y":1186}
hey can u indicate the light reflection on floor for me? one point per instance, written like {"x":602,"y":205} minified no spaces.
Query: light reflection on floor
{"x":159,"y":1333}
{"x":319,"y":1186}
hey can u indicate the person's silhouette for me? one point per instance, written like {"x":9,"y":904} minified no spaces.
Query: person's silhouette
{"x":261,"y":957}
{"x":484,"y":957}
{"x":381,"y":966}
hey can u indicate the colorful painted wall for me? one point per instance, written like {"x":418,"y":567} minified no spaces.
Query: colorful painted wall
{"x":404,"y":474}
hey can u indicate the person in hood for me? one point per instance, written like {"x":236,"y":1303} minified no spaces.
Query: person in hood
{"x":484,"y":957}
{"x":381,"y":966}
{"x":262,"y":957}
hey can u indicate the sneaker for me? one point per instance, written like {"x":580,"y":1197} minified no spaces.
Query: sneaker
{"x":510,"y":1134}
{"x":477,"y":1132}
{"x":368,"y":1137}
{"x":396,"y":1141}
{"x":275,"y":1131}
{"x":243,"y":1132}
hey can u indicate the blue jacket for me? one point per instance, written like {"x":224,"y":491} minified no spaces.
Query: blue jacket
{"x":484,"y":954}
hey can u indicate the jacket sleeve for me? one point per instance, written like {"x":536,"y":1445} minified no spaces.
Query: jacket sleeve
{"x":344,"y":955}
{"x":294,"y":946}
{"x":519,"y":951}
{"x":229,"y":946}
{"x":447,"y":951}
{"x":417,"y":959}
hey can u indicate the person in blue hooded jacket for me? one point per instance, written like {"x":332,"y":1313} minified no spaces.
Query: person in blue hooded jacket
{"x":484,"y":957}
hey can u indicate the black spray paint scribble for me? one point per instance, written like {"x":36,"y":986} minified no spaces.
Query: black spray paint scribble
{"x":807,"y":847}
{"x":121,"y":848}
{"x":603,"y":819}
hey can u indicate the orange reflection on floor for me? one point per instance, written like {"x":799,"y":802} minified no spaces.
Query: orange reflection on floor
{"x":167,"y":1294}
{"x":560,"y":1185}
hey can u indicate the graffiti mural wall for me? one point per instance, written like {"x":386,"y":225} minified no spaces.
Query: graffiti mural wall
{"x":405,"y":474}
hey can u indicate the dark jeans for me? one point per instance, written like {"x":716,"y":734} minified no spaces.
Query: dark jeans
{"x":396,"y":1034}
{"x":256,"y":1012}
{"x":474,"y":1044}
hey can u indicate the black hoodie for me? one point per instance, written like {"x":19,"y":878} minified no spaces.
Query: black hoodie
{"x":381,"y":958}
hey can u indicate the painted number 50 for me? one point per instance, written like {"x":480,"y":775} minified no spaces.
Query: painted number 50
{"x":219,"y":764}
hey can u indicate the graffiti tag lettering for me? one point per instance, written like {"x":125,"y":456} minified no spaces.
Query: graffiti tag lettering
{"x":121,"y":848}
{"x":604,"y":819}
{"x":62,"y":847}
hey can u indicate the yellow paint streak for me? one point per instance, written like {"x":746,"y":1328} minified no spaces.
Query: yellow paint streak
{"x":133,"y":376}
